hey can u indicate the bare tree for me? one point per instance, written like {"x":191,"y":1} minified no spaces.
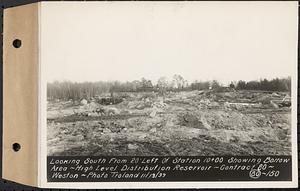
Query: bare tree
{"x":162,"y":85}
{"x":179,"y":81}
{"x":215,"y":84}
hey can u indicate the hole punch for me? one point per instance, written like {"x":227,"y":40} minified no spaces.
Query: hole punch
{"x":16,"y":147}
{"x":17,"y":43}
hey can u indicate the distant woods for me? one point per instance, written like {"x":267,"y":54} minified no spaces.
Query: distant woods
{"x":283,"y":84}
{"x":73,"y":90}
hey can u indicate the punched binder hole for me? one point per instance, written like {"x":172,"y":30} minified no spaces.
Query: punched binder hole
{"x":16,"y":147}
{"x":17,"y":43}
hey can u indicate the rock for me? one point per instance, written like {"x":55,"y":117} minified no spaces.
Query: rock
{"x":274,"y":94}
{"x":83,"y":102}
{"x":153,"y":130}
{"x":159,"y":104}
{"x":106,"y":130}
{"x":265,"y":100}
{"x":131,"y":105}
{"x":153,"y":114}
{"x":112,"y":111}
{"x":204,"y":102}
{"x":142,"y":137}
{"x":274,"y":105}
{"x":140,"y":106}
{"x":132,"y":147}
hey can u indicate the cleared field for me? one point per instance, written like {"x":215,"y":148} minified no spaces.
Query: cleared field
{"x":178,"y":123}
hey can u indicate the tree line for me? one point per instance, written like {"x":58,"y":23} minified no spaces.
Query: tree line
{"x":67,"y":90}
{"x":283,"y":84}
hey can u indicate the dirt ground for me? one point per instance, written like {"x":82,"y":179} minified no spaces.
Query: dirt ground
{"x":186,"y":123}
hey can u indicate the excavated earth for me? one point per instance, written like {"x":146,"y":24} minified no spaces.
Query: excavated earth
{"x":179,"y":123}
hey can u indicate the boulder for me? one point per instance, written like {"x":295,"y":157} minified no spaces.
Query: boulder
{"x":153,"y":113}
{"x":112,"y":111}
{"x":274,"y":105}
{"x":153,"y":130}
{"x":106,"y":130}
{"x":83,"y":102}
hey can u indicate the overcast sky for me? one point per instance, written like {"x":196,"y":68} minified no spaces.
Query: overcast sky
{"x":93,"y":41}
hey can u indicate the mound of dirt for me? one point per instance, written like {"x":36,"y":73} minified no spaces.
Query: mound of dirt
{"x":181,"y":123}
{"x":190,"y":120}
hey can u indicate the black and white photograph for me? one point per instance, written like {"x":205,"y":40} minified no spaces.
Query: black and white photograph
{"x":169,"y":117}
{"x":150,"y":94}
{"x":162,"y":86}
{"x":171,"y":79}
